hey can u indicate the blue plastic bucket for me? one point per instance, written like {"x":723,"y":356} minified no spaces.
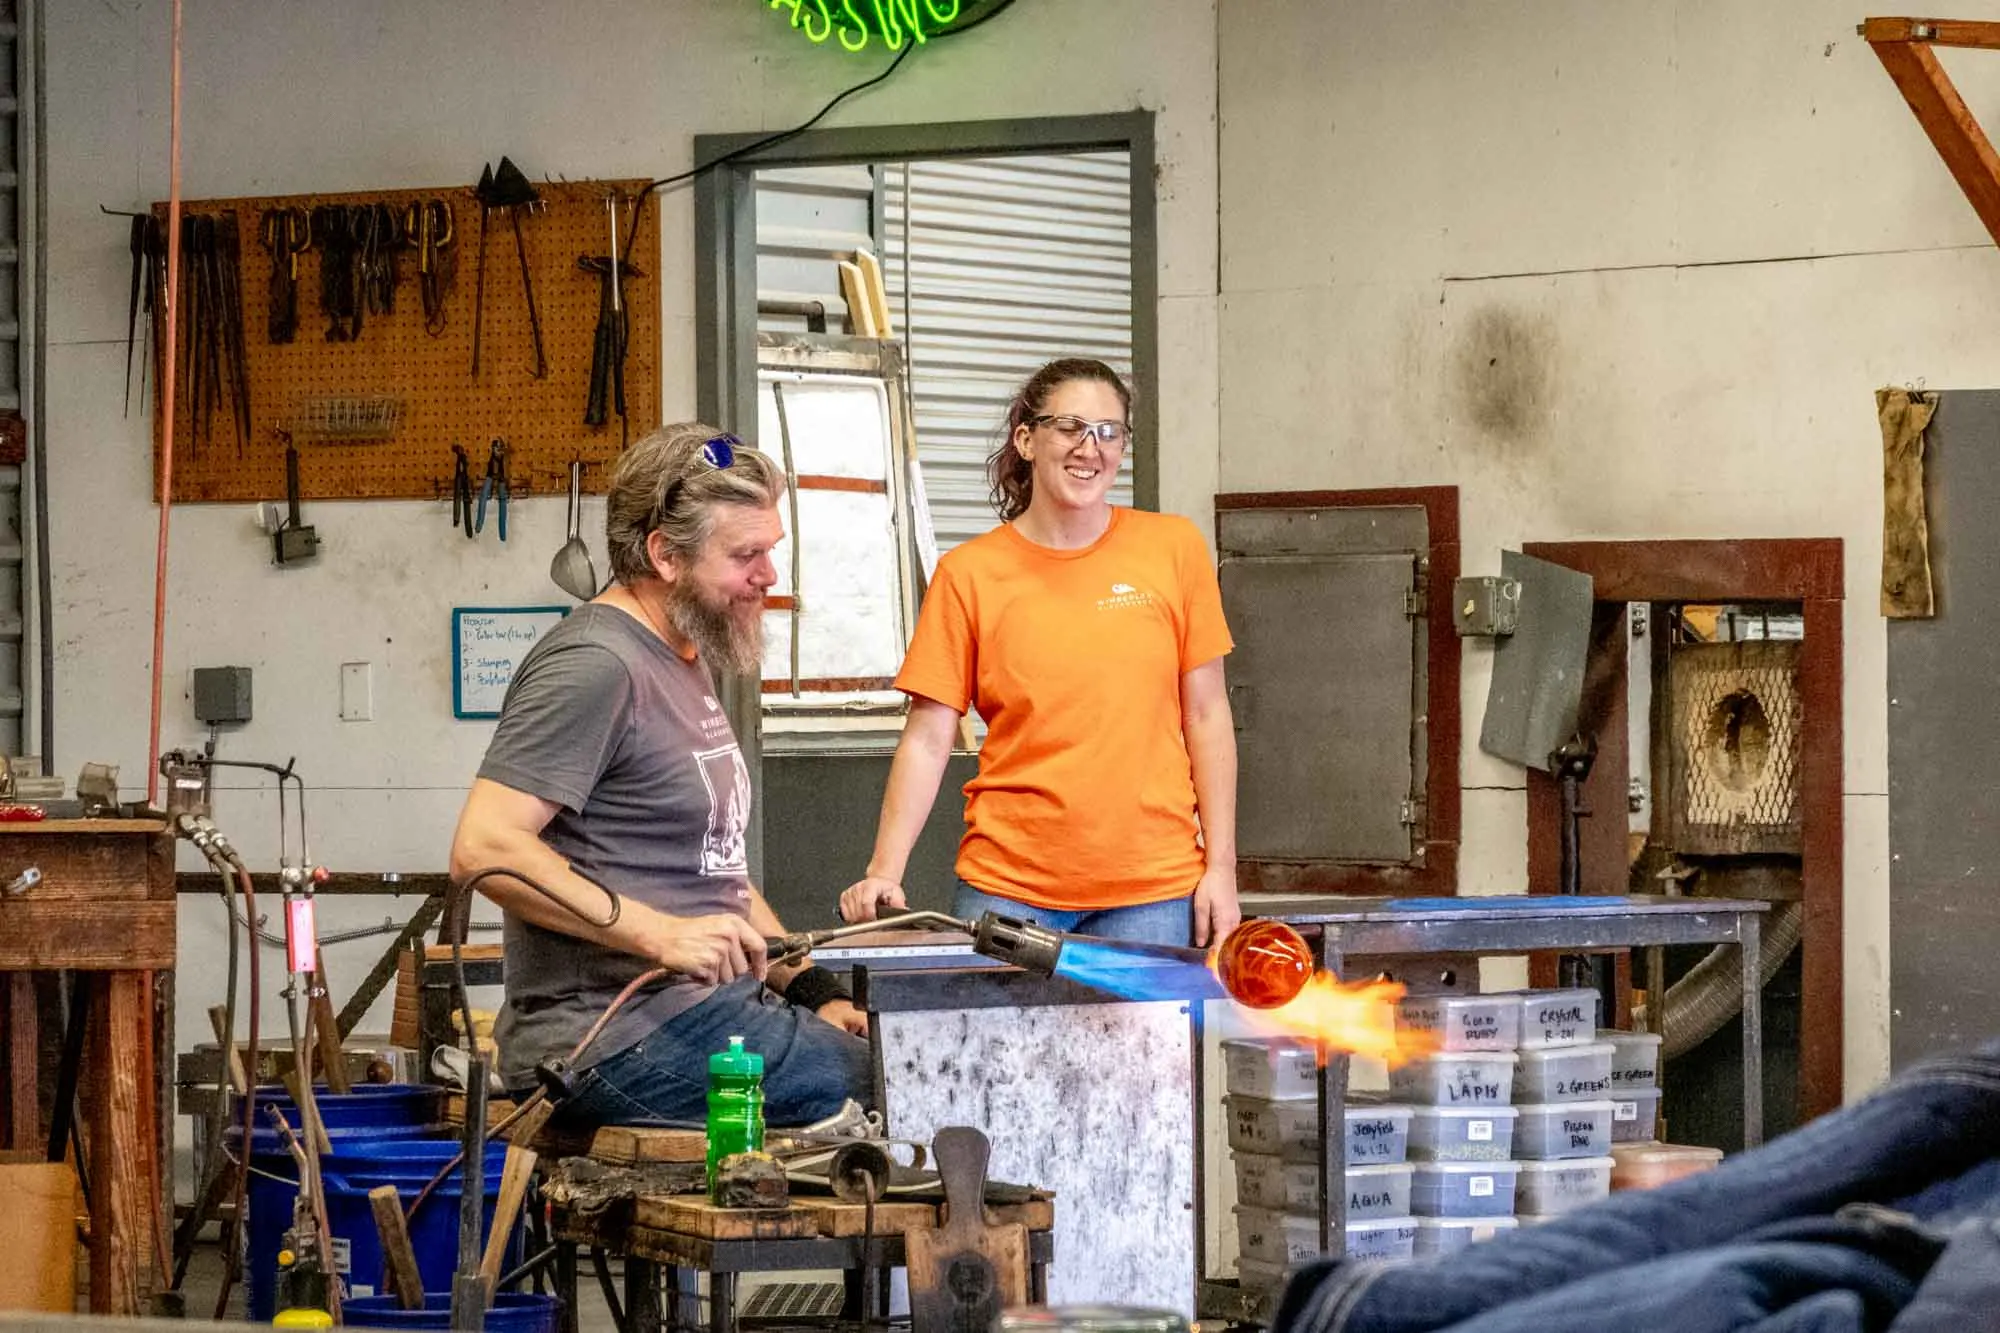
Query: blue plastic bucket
{"x":512,"y":1312}
{"x":368,"y":1106}
{"x":357,"y":1164}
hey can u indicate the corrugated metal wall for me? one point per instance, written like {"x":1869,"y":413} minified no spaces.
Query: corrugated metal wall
{"x":994,"y":266}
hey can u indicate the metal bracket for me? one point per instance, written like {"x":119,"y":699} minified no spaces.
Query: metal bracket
{"x":1486,"y":607}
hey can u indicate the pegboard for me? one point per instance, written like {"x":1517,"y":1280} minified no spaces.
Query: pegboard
{"x":393,"y":366}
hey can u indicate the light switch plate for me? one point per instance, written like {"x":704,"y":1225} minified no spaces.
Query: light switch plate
{"x":357,"y":692}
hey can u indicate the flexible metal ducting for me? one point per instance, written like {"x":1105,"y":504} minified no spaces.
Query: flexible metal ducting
{"x":1712,"y":992}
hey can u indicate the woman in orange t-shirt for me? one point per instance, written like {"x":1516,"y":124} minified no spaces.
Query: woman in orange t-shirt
{"x":1090,"y":638}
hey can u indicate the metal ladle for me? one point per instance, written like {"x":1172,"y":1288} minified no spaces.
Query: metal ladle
{"x":571,"y":569}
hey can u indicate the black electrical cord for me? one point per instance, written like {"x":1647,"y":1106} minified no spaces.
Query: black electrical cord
{"x":782,"y":136}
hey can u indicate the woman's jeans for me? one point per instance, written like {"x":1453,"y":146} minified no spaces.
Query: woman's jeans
{"x":1170,"y":922}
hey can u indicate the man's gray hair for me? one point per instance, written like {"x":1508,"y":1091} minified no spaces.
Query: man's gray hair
{"x":663,"y":483}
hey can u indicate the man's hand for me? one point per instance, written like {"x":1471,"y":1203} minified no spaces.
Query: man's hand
{"x":842,"y":1014}
{"x":864,"y":899}
{"x":1216,"y":912}
{"x":713,"y":949}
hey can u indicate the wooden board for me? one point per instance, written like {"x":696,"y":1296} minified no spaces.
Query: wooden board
{"x":630,"y":1146}
{"x":95,"y":936}
{"x":694,"y":1215}
{"x":834,"y":1218}
{"x":438,"y":401}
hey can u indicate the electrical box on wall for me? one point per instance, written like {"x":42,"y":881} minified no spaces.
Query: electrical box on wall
{"x":222,"y":695}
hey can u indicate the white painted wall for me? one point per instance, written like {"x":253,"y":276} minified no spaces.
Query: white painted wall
{"x":1622,"y":270}
{"x":294,"y":97}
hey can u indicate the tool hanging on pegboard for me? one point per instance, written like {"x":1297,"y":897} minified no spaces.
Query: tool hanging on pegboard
{"x":214,"y":364}
{"x":607,"y":359}
{"x":508,"y":188}
{"x":430,"y":229}
{"x":285,"y":233}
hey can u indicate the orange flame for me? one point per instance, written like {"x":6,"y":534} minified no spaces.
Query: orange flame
{"x":1336,"y":1016}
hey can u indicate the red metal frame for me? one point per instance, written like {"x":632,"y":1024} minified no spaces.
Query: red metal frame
{"x":1809,"y":572}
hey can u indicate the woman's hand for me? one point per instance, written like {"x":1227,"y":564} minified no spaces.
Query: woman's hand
{"x":864,"y":899}
{"x":1216,"y":911}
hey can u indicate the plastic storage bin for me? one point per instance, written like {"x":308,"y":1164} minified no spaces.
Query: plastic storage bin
{"x":1382,"y":1190}
{"x":1264,"y":1181}
{"x":1550,"y":1189}
{"x":1466,"y":1133}
{"x":1376,"y":1131}
{"x":1386,"y":1240}
{"x":1277,"y":1070}
{"x":1557,"y":1018}
{"x":1565,"y":1073}
{"x":1563,"y":1129}
{"x":1270,"y":1236}
{"x":1635,"y":1059}
{"x":1464,"y":1189}
{"x":1456,"y":1078}
{"x":1464,"y":1022}
{"x":1645,"y":1166}
{"x":1449,"y":1235}
{"x":1634,"y":1114}
{"x":1277,"y":1238}
{"x":1257,"y":1275}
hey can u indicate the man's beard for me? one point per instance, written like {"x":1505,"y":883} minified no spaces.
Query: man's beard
{"x":729,"y":635}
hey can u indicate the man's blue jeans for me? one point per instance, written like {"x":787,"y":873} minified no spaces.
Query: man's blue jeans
{"x":811,"y":1067}
{"x":1797,"y":1235}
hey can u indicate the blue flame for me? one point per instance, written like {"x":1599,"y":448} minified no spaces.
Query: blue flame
{"x":1138,"y":972}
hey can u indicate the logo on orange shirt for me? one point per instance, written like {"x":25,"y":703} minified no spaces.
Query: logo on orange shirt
{"x":1122,"y":595}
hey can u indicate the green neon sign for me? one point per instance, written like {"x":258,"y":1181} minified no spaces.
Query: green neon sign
{"x":858,"y":24}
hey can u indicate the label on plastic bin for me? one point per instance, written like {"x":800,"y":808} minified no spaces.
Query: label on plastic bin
{"x":1479,"y":1131}
{"x":1625,"y":1111}
{"x":1480,"y":1187}
{"x":341,"y":1261}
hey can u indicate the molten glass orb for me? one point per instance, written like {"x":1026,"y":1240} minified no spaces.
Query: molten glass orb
{"x":1263,"y":964}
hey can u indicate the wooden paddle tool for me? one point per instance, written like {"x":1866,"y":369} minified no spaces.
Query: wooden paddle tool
{"x":963,"y":1273}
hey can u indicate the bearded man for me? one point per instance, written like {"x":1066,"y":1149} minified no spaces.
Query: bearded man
{"x":614,"y":782}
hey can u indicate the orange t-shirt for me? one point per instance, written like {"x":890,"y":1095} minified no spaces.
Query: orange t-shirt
{"x":1085,"y":797}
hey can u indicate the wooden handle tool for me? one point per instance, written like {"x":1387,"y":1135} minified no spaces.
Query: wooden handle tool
{"x":514,"y":1178}
{"x":396,"y":1250}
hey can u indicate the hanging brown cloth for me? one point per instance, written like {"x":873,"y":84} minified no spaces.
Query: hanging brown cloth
{"x":1906,"y":543}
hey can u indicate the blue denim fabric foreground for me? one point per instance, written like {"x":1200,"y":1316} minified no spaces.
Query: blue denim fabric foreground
{"x":1880,"y":1216}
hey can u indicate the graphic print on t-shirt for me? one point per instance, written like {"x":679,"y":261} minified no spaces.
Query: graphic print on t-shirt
{"x":727,"y":778}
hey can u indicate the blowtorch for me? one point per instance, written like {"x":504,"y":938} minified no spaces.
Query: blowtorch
{"x":1261,"y":964}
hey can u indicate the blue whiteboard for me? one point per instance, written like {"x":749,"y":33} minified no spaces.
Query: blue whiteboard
{"x":487,"y":644}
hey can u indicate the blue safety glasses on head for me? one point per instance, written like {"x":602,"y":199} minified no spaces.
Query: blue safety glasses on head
{"x":717,"y":453}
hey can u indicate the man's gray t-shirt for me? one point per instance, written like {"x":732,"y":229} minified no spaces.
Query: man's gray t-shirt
{"x":606,"y":721}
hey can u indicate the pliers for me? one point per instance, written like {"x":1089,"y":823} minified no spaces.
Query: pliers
{"x":461,"y":489}
{"x":496,"y":482}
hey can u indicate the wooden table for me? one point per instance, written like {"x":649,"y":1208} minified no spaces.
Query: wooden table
{"x":105,"y":910}
{"x":669,"y":1233}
